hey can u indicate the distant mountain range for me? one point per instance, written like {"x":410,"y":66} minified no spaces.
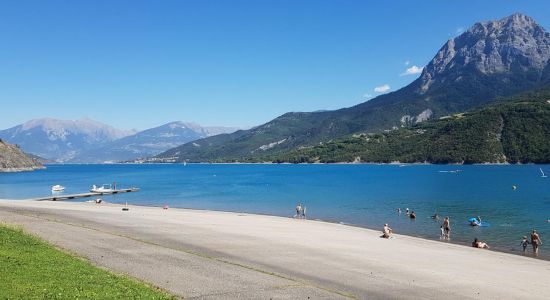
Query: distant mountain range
{"x":88,"y":141}
{"x":60,"y":140}
{"x":149,"y":142}
{"x":489,"y":61}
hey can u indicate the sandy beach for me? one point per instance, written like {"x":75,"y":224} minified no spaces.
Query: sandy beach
{"x":221,"y":255}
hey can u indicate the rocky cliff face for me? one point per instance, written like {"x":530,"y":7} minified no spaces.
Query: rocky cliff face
{"x":513,"y":44}
{"x":12,"y":159}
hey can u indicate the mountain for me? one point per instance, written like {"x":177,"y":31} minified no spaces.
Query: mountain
{"x":149,"y":142}
{"x":12,"y":159}
{"x":489,"y":61}
{"x":513,"y":131}
{"x":60,"y":140}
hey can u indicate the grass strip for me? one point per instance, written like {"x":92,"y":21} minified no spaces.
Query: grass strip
{"x":30,"y":268}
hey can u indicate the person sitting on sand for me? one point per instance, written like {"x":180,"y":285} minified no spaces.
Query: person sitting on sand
{"x":479,"y":244}
{"x":387,"y":231}
{"x":98,"y":201}
{"x":535,"y":241}
{"x":524,"y":243}
{"x":412,"y":215}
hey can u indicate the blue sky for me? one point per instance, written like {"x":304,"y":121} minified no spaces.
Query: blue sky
{"x":139,"y":64}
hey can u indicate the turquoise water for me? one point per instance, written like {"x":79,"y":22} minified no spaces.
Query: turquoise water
{"x":363,"y":195}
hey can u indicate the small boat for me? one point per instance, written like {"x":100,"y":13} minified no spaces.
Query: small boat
{"x":106,"y":188}
{"x":542,"y":173}
{"x":58,"y":188}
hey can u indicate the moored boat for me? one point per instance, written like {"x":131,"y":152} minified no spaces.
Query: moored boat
{"x":58,"y":188}
{"x":106,"y":188}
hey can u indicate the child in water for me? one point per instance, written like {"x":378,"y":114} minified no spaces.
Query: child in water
{"x":524,"y":243}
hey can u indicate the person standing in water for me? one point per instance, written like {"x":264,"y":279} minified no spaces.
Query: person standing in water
{"x":535,"y":241}
{"x":524,"y":243}
{"x":446,"y":228}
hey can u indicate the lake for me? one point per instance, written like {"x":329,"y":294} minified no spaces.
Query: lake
{"x":358,"y":194}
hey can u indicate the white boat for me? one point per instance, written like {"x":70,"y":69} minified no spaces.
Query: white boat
{"x":542,"y":173}
{"x":58,"y":188}
{"x":106,"y":188}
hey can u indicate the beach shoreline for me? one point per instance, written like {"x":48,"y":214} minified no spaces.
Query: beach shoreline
{"x":528,"y":254}
{"x":322,"y":259}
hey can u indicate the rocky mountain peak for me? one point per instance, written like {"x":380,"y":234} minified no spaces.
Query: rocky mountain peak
{"x":491,"y":47}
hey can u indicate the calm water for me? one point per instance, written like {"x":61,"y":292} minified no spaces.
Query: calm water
{"x":364,"y":195}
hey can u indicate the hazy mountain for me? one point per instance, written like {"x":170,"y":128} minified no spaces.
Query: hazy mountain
{"x":60,"y":140}
{"x":12,"y":159}
{"x":149,"y":142}
{"x":490,"y":60}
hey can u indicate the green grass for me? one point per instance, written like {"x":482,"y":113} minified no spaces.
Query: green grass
{"x":33,"y":269}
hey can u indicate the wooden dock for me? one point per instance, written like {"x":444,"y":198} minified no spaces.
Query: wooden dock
{"x":59,"y":197}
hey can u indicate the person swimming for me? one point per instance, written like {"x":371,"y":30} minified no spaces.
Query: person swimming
{"x":475,"y":221}
{"x":435,"y":217}
{"x":412,"y":215}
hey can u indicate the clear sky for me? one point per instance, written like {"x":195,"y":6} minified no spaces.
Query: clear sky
{"x":140,"y":64}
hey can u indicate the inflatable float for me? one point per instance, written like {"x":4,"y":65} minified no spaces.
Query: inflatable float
{"x":475,"y":222}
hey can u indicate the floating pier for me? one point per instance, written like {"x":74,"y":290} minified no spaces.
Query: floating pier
{"x":60,"y":197}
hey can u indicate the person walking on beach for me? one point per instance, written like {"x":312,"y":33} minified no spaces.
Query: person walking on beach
{"x":535,"y":241}
{"x":304,"y":212}
{"x":386,"y":231}
{"x":298,"y":211}
{"x":524,"y":243}
{"x":446,"y":228}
